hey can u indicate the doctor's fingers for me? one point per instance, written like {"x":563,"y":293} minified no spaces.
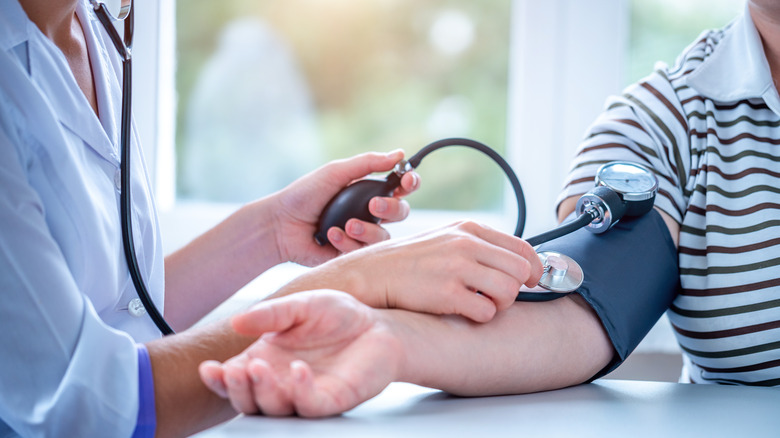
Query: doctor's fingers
{"x":357,"y":234}
{"x":410,"y":182}
{"x":509,"y":254}
{"x":470,"y":245}
{"x":479,"y":294}
{"x":523,"y":266}
{"x":389,"y":209}
{"x":468,"y":303}
{"x":347,"y":170}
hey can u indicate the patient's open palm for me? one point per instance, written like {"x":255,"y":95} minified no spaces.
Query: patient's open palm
{"x":321,"y":353}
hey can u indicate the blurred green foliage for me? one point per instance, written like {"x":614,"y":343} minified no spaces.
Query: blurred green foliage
{"x":377,"y":80}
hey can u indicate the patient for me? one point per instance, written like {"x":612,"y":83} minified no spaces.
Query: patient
{"x":708,"y":127}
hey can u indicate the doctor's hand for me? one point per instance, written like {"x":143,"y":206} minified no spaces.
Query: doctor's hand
{"x":465,"y":269}
{"x":298,"y":208}
{"x":319,"y":353}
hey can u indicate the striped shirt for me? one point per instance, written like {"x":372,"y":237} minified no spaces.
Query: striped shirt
{"x":710,"y":129}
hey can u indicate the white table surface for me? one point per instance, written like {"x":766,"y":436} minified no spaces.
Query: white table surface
{"x":607,"y":408}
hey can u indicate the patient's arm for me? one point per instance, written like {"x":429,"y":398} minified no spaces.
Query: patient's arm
{"x":529,"y":347}
{"x":336,"y":353}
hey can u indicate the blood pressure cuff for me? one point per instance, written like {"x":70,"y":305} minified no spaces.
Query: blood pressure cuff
{"x":631,"y":277}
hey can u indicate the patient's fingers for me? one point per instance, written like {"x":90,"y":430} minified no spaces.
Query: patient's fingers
{"x":271,"y":395}
{"x":310,"y":401}
{"x":213,"y":377}
{"x":239,"y":389}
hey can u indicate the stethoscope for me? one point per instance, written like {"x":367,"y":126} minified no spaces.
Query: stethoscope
{"x":108,"y":12}
{"x":622,"y":189}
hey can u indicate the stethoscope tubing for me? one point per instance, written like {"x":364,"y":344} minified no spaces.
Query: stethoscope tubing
{"x":125,"y":198}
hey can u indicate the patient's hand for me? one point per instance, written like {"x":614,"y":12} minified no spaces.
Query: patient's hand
{"x":319,"y":353}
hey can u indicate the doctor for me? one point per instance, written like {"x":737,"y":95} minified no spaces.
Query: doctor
{"x":79,"y":355}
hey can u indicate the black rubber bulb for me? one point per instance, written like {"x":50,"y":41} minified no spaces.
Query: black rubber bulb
{"x":352,"y":202}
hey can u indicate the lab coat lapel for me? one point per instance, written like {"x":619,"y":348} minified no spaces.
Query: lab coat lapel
{"x":106,"y":72}
{"x":64,"y":94}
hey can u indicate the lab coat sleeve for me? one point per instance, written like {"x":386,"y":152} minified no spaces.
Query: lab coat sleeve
{"x":63,"y":371}
{"x":147,"y":416}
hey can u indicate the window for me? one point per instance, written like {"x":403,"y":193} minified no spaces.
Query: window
{"x":349,"y":77}
{"x":269,"y":90}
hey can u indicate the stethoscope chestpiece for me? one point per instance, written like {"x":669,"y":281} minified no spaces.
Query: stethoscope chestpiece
{"x":561,"y":273}
{"x":562,"y":276}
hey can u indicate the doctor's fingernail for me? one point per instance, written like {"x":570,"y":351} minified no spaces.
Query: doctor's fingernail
{"x":335,"y":236}
{"x":379,"y":205}
{"x":356,"y":228}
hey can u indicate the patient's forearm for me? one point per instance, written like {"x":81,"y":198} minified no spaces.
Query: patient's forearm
{"x":529,"y":347}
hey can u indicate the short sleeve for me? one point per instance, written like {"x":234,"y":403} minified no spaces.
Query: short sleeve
{"x":645,"y":125}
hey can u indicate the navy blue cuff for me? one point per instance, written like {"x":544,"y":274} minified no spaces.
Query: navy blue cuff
{"x":631,"y":276}
{"x":147,"y":417}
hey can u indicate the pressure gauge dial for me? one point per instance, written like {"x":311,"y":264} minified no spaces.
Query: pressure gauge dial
{"x":622,"y":189}
{"x":635,"y":184}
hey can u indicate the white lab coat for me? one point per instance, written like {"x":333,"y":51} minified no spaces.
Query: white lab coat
{"x":68,"y":361}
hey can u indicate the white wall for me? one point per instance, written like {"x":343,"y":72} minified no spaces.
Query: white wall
{"x":568,"y":56}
